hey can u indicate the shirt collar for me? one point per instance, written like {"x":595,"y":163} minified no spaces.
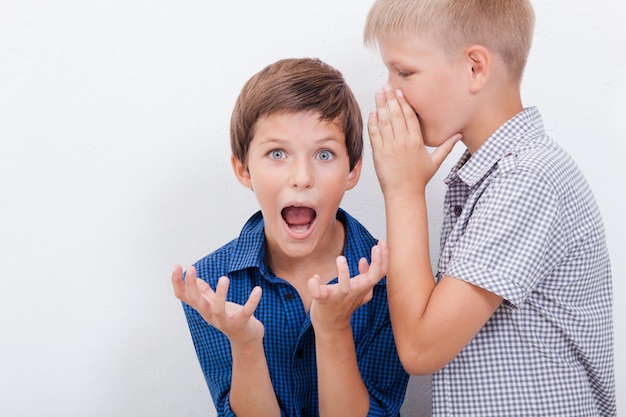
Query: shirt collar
{"x":472,"y":168}
{"x":249,"y":250}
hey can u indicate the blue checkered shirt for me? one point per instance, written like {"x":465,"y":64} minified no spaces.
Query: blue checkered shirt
{"x":289,"y":340}
{"x":521,"y":222}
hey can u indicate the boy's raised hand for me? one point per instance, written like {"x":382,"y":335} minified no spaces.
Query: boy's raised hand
{"x":334,"y":304}
{"x":237,"y":322}
{"x":402,"y":161}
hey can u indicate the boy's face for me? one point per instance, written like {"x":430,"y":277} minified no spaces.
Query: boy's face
{"x":435,"y":86}
{"x":299,"y":169}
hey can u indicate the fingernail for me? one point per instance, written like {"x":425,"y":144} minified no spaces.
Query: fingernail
{"x":399,"y":93}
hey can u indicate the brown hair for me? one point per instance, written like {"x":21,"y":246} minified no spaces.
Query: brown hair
{"x":295,"y":85}
{"x":503,"y":26}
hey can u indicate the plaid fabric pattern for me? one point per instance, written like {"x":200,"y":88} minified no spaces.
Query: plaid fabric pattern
{"x":289,"y":339}
{"x":521,"y":222}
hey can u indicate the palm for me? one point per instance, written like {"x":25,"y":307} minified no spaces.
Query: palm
{"x":236,"y":321}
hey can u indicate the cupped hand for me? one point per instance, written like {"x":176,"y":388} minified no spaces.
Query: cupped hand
{"x":237,"y":322}
{"x":334,"y":304}
{"x":402,"y":161}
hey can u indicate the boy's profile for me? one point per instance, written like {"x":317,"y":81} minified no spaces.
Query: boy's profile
{"x":279,"y":327}
{"x":518,"y":320}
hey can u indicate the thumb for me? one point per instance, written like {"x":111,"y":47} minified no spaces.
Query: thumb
{"x":443,"y":150}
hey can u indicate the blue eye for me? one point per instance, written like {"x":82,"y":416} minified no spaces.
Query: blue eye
{"x":325,"y":155}
{"x":276,"y":154}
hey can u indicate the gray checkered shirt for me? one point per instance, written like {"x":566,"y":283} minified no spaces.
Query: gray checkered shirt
{"x":521,"y":222}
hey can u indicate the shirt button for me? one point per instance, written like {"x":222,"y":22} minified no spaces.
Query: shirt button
{"x":289,"y":296}
{"x":458,"y":210}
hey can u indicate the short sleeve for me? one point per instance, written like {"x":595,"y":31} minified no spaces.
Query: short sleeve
{"x":509,"y":240}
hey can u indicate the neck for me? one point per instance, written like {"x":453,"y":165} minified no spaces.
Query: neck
{"x":298,"y":270}
{"x":494,"y":107}
{"x":321,"y":261}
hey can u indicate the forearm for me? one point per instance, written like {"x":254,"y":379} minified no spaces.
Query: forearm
{"x":410,"y":281}
{"x":431,"y":322}
{"x":251,"y":392}
{"x":340,"y":386}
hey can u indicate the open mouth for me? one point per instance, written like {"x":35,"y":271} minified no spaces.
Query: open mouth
{"x":298,"y":218}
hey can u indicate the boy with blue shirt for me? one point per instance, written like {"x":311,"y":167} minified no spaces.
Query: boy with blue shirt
{"x":518,"y":318}
{"x":279,"y":327}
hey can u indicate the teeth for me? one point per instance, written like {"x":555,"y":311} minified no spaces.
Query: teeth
{"x":299,"y":228}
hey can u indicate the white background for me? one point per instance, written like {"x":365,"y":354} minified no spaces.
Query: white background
{"x":114,"y":166}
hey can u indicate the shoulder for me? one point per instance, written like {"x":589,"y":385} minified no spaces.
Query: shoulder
{"x":216,"y":263}
{"x":543,"y":155}
{"x":359,"y":241}
{"x":542,"y":164}
{"x":235,"y":254}
{"x":355,"y":231}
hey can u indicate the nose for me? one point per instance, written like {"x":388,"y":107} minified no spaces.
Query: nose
{"x":390,"y":79}
{"x":301,"y":174}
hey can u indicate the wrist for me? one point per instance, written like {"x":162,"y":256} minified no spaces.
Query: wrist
{"x":332,"y":332}
{"x":406,"y":191}
{"x":251,"y":347}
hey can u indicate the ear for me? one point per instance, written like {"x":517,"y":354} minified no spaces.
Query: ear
{"x":354,"y":175}
{"x":479,"y":58}
{"x":241,"y":172}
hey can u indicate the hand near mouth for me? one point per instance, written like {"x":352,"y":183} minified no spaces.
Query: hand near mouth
{"x":403,"y":163}
{"x":334,"y":304}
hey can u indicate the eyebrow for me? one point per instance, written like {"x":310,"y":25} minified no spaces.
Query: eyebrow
{"x":321,"y":140}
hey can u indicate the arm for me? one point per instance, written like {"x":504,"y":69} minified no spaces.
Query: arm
{"x":341,"y":389}
{"x":251,"y":391}
{"x":431,"y":323}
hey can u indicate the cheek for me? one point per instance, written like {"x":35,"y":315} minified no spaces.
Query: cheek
{"x":261,"y":184}
{"x":414,"y":95}
{"x":334,"y":189}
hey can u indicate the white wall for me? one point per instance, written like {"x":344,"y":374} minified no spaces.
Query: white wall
{"x":114,"y":166}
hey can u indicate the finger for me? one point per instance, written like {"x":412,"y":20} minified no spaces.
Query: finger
{"x":384,"y":254}
{"x":385,"y":128}
{"x":410,"y":116}
{"x":177,"y":282}
{"x":375,"y":271}
{"x":253,"y":301}
{"x":443,"y":150}
{"x":343,"y":275}
{"x":366,"y":282}
{"x":372,"y":129}
{"x":191,"y":288}
{"x":314,"y":287}
{"x":363,"y":266}
{"x":219,"y":301}
{"x":396,"y":113}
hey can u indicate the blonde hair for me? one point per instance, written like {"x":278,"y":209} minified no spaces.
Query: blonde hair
{"x":505,"y":27}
